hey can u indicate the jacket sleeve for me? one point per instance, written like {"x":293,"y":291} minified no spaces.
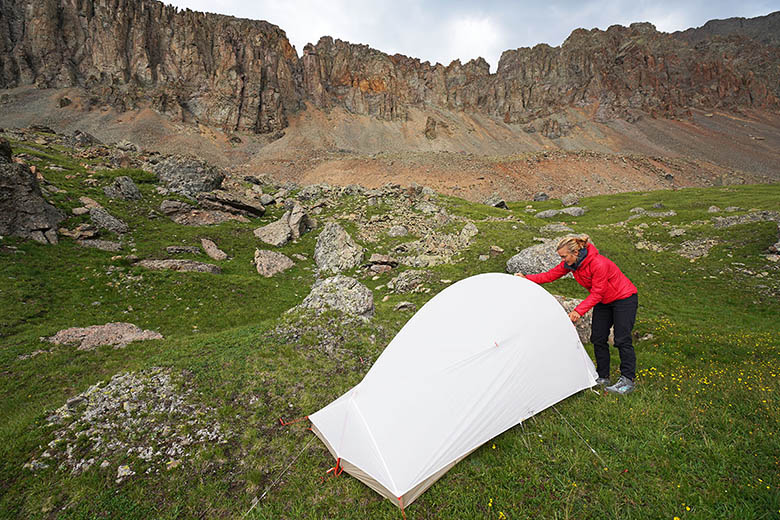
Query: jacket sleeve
{"x":551,"y":275}
{"x":599,"y":285}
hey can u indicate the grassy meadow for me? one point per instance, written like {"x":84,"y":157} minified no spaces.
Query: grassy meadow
{"x":697,"y":440}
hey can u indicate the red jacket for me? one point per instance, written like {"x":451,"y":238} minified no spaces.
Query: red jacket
{"x":598,"y":274}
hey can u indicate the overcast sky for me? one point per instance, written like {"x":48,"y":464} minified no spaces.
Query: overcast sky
{"x":442,"y":31}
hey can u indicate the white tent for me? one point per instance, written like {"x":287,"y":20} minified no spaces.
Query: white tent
{"x":479,"y":358}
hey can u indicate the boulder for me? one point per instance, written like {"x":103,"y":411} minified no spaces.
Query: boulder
{"x":126,"y":146}
{"x":23,"y":210}
{"x":535,"y":259}
{"x":104,"y":220}
{"x":276,"y":233}
{"x":172,"y":207}
{"x":179,"y":250}
{"x":180,"y":265}
{"x":340,"y":293}
{"x":212,"y":250}
{"x":541,"y":197}
{"x":187,"y":176}
{"x":378,"y":259}
{"x":468,"y":232}
{"x":570,"y":199}
{"x":409,"y":281}
{"x":299,"y":221}
{"x":556,"y":228}
{"x":574,"y":211}
{"x":550,"y":213}
{"x":88,"y":338}
{"x":398,"y":231}
{"x":269,"y":263}
{"x":335,"y":250}
{"x":496,"y":201}
{"x":713,"y":209}
{"x":266,"y":199}
{"x":221,"y":200}
{"x":123,"y":188}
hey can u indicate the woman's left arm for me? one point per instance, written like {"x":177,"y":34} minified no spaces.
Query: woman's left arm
{"x":597,"y":289}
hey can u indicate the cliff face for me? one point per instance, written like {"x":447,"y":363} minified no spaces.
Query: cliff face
{"x":245,"y":75}
{"x":237,"y":74}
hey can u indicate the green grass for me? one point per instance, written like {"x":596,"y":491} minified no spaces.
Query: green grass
{"x":698,"y":439}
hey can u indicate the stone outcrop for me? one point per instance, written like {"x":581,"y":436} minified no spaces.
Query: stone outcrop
{"x":535,"y":259}
{"x":104,"y":220}
{"x":187,"y":176}
{"x":244,"y":75}
{"x":335,"y":250}
{"x":117,"y":334}
{"x":180,"y":265}
{"x":340,"y":293}
{"x":290,"y":226}
{"x":23,"y":210}
{"x":269,"y":263}
{"x":123,"y":188}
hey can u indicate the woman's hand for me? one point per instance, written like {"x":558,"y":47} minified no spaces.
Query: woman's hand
{"x":574,"y":316}
{"x":521,"y":275}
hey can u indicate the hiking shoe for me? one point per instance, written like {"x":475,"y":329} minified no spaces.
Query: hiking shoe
{"x":602,"y":381}
{"x":623,"y":386}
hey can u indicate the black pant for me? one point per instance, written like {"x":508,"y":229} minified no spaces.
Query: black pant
{"x":621,"y":314}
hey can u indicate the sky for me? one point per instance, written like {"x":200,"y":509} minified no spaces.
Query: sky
{"x":442,"y":31}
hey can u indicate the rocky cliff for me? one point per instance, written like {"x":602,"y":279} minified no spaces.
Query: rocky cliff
{"x":244,"y":75}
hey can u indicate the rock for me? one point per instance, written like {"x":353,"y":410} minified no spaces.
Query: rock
{"x":556,"y":228}
{"x":484,"y":258}
{"x":299,"y":221}
{"x":637,"y":210}
{"x":340,"y":293}
{"x":187,"y":176}
{"x":658,"y":205}
{"x":409,"y":281}
{"x":713,"y":209}
{"x":695,"y":249}
{"x":426,"y":207}
{"x":380,"y":268}
{"x":756,"y":216}
{"x":89,"y":203}
{"x":266,"y":199}
{"x":180,"y":265}
{"x":335,"y":250}
{"x":104,"y":220}
{"x":80,"y":211}
{"x":405,"y":306}
{"x":84,"y":139}
{"x":676,"y":232}
{"x":398,"y":231}
{"x":269,"y":263}
{"x":496,"y":201}
{"x":118,"y":334}
{"x":276,"y":233}
{"x":212,"y":250}
{"x":570,"y":199}
{"x":123,"y":188}
{"x":126,"y":146}
{"x":221,"y":200}
{"x":103,"y":245}
{"x":171,"y":207}
{"x":179,"y":250}
{"x":548,"y":213}
{"x":81,"y":232}
{"x":6,"y":156}
{"x":574,"y":211}
{"x":541,"y":197}
{"x":535,"y":259}
{"x":468,"y":232}
{"x":650,"y":246}
{"x":376,"y":258}
{"x":775,"y":248}
{"x":496,"y":251}
{"x":23,"y":210}
{"x":732,"y":209}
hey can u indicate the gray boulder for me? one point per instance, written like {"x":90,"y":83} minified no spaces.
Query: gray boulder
{"x":573,"y":211}
{"x":535,"y":259}
{"x":496,"y":201}
{"x":221,"y":200}
{"x":276,"y":233}
{"x":550,"y":213}
{"x":104,"y":220}
{"x":340,"y":293}
{"x":570,"y":199}
{"x":556,"y":228}
{"x":180,"y":265}
{"x":335,"y":250}
{"x":410,"y":281}
{"x":187,"y":176}
{"x":541,"y":197}
{"x":398,"y":231}
{"x":468,"y":232}
{"x":23,"y":210}
{"x":123,"y":188}
{"x":269,"y":263}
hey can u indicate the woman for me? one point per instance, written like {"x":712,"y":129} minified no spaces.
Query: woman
{"x":614,"y":301}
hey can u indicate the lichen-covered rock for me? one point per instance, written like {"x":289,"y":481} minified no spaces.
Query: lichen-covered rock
{"x":496,"y":201}
{"x":180,"y":265}
{"x":187,"y":176}
{"x":277,"y":233}
{"x":104,"y":220}
{"x":468,"y":232}
{"x":412,"y":280}
{"x":117,"y":334}
{"x":123,"y":188}
{"x":549,"y":213}
{"x":212,"y":250}
{"x":269,"y":263}
{"x":535,"y":259}
{"x":335,"y":250}
{"x":570,"y":199}
{"x":221,"y":200}
{"x":23,"y":210}
{"x":340,"y":293}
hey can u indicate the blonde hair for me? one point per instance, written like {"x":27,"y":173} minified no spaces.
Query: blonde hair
{"x":573,"y":244}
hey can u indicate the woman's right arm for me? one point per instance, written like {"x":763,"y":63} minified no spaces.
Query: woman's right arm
{"x":551,"y":275}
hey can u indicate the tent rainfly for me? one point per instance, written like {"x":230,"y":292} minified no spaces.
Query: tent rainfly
{"x":480,"y":357}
